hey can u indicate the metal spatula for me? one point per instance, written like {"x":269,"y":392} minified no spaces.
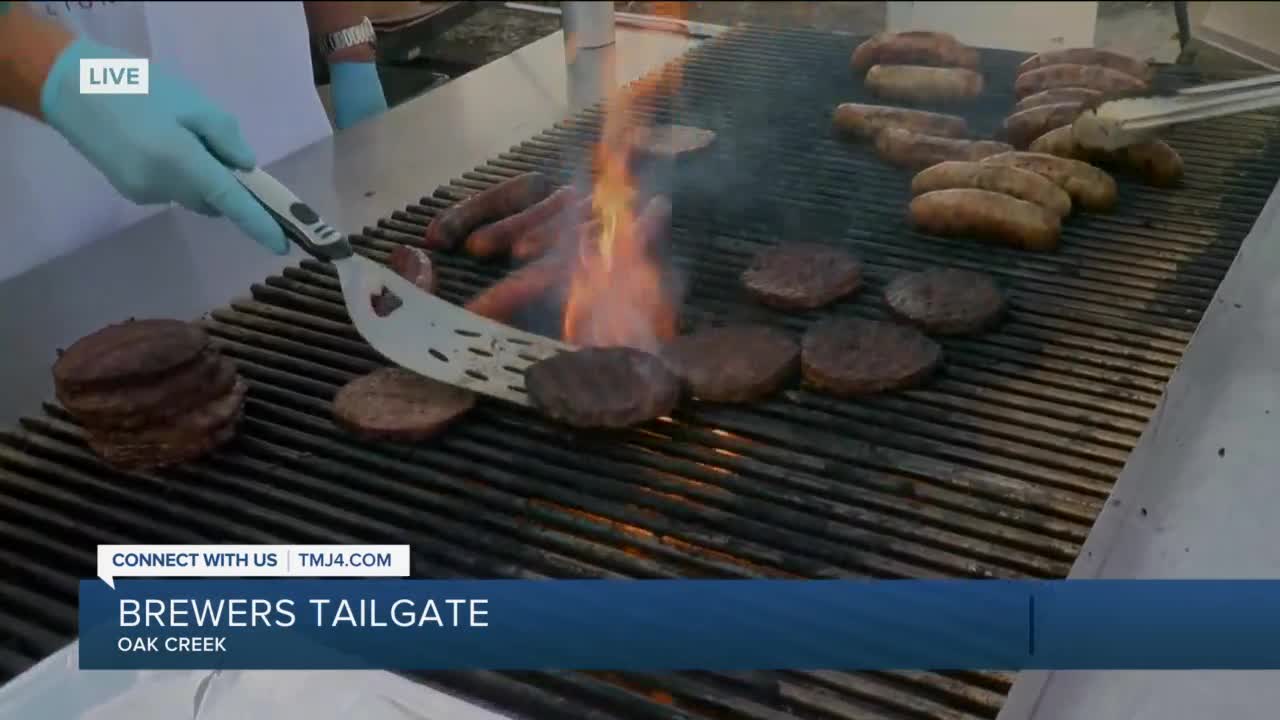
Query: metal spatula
{"x":424,"y":334}
{"x":1119,"y":123}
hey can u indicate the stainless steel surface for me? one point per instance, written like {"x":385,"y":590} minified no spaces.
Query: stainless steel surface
{"x":423,"y":332}
{"x":1127,"y":121}
{"x":179,"y":264}
{"x":641,"y":22}
{"x":590,"y":52}
{"x":1197,"y":499}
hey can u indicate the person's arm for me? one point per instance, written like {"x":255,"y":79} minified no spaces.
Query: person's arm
{"x":169,"y":145}
{"x":29,"y":45}
{"x":355,"y":88}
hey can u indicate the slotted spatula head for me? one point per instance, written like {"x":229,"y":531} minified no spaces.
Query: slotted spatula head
{"x":438,"y":339}
{"x":424,"y":334}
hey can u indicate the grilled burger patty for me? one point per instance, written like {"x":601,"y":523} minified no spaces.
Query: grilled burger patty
{"x":183,"y":438}
{"x":802,"y":276}
{"x":946,"y":301}
{"x":674,"y":140}
{"x":398,"y":404}
{"x":736,"y":363}
{"x":127,"y":352}
{"x":849,"y":356}
{"x":208,"y":376}
{"x":611,"y":387}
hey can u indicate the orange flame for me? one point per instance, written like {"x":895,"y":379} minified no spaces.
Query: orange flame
{"x":616,"y":292}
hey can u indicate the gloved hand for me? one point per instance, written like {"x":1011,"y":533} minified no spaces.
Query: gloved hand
{"x":356,"y":91}
{"x":171,"y":145}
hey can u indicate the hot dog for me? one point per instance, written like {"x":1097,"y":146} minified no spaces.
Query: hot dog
{"x":1155,"y":161}
{"x":508,"y":197}
{"x":921,"y":84}
{"x":915,"y":150}
{"x":1084,"y":96}
{"x":866,"y":121}
{"x":1022,"y":184}
{"x":1088,"y":56}
{"x":1051,"y":77}
{"x":1089,"y":187}
{"x":544,"y":237}
{"x":1022,"y":128}
{"x":914,"y":48}
{"x":497,"y":238}
{"x":987,"y":215}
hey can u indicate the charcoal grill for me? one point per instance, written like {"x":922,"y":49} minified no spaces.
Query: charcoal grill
{"x":996,"y":469}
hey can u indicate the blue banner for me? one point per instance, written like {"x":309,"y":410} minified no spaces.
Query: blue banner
{"x":658,"y":625}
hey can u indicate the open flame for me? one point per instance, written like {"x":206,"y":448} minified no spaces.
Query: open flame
{"x":616,"y":291}
{"x":617,"y":295}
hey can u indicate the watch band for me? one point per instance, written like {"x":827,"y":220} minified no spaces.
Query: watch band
{"x":361,"y":34}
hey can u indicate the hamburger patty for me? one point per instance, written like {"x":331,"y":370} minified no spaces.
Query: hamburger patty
{"x":946,"y":301}
{"x":673,"y":140}
{"x":802,"y":276}
{"x":185,"y":437}
{"x":208,"y":376}
{"x":737,"y":363}
{"x":849,"y":356}
{"x":128,"y":351}
{"x":610,"y":387}
{"x":398,"y":404}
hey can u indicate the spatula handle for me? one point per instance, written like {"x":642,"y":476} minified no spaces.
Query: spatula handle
{"x":301,"y":224}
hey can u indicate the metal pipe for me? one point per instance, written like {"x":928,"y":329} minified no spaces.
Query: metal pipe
{"x":590,"y":52}
{"x":587,"y":25}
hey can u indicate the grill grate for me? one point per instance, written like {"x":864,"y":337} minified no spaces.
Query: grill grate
{"x":997,"y":468}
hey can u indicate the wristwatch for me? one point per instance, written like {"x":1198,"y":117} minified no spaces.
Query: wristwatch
{"x":362,"y":34}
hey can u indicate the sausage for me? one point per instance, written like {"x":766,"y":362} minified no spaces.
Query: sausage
{"x":1084,"y":96}
{"x":921,"y":84}
{"x":1022,"y":128}
{"x":915,"y":150}
{"x":497,"y":238}
{"x":1051,"y":77}
{"x":1022,"y":184}
{"x":987,"y":215}
{"x":1155,"y":161}
{"x":1088,"y":56}
{"x":916,"y":47}
{"x":547,"y":235}
{"x":502,"y":300}
{"x":508,"y":197}
{"x":1089,"y":187}
{"x":412,"y":264}
{"x":866,"y":121}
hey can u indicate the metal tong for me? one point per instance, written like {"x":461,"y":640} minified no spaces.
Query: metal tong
{"x":1115,"y":124}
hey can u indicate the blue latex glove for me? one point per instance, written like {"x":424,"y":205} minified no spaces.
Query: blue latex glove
{"x":171,"y":145}
{"x":356,"y":91}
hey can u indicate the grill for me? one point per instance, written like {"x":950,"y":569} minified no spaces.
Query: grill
{"x":996,"y":469}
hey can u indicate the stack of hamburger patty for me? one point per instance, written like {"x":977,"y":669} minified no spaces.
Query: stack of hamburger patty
{"x":150,"y":393}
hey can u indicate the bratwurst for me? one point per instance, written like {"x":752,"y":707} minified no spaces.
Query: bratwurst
{"x":1154,"y":161}
{"x":1088,"y":56}
{"x":916,"y":47}
{"x":1022,"y":184}
{"x":1022,"y":128}
{"x":1084,"y":96}
{"x":1089,"y":187}
{"x":1052,"y":77}
{"x":987,"y":215}
{"x":508,"y":197}
{"x":915,"y":150}
{"x":866,"y":121}
{"x":921,"y":84}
